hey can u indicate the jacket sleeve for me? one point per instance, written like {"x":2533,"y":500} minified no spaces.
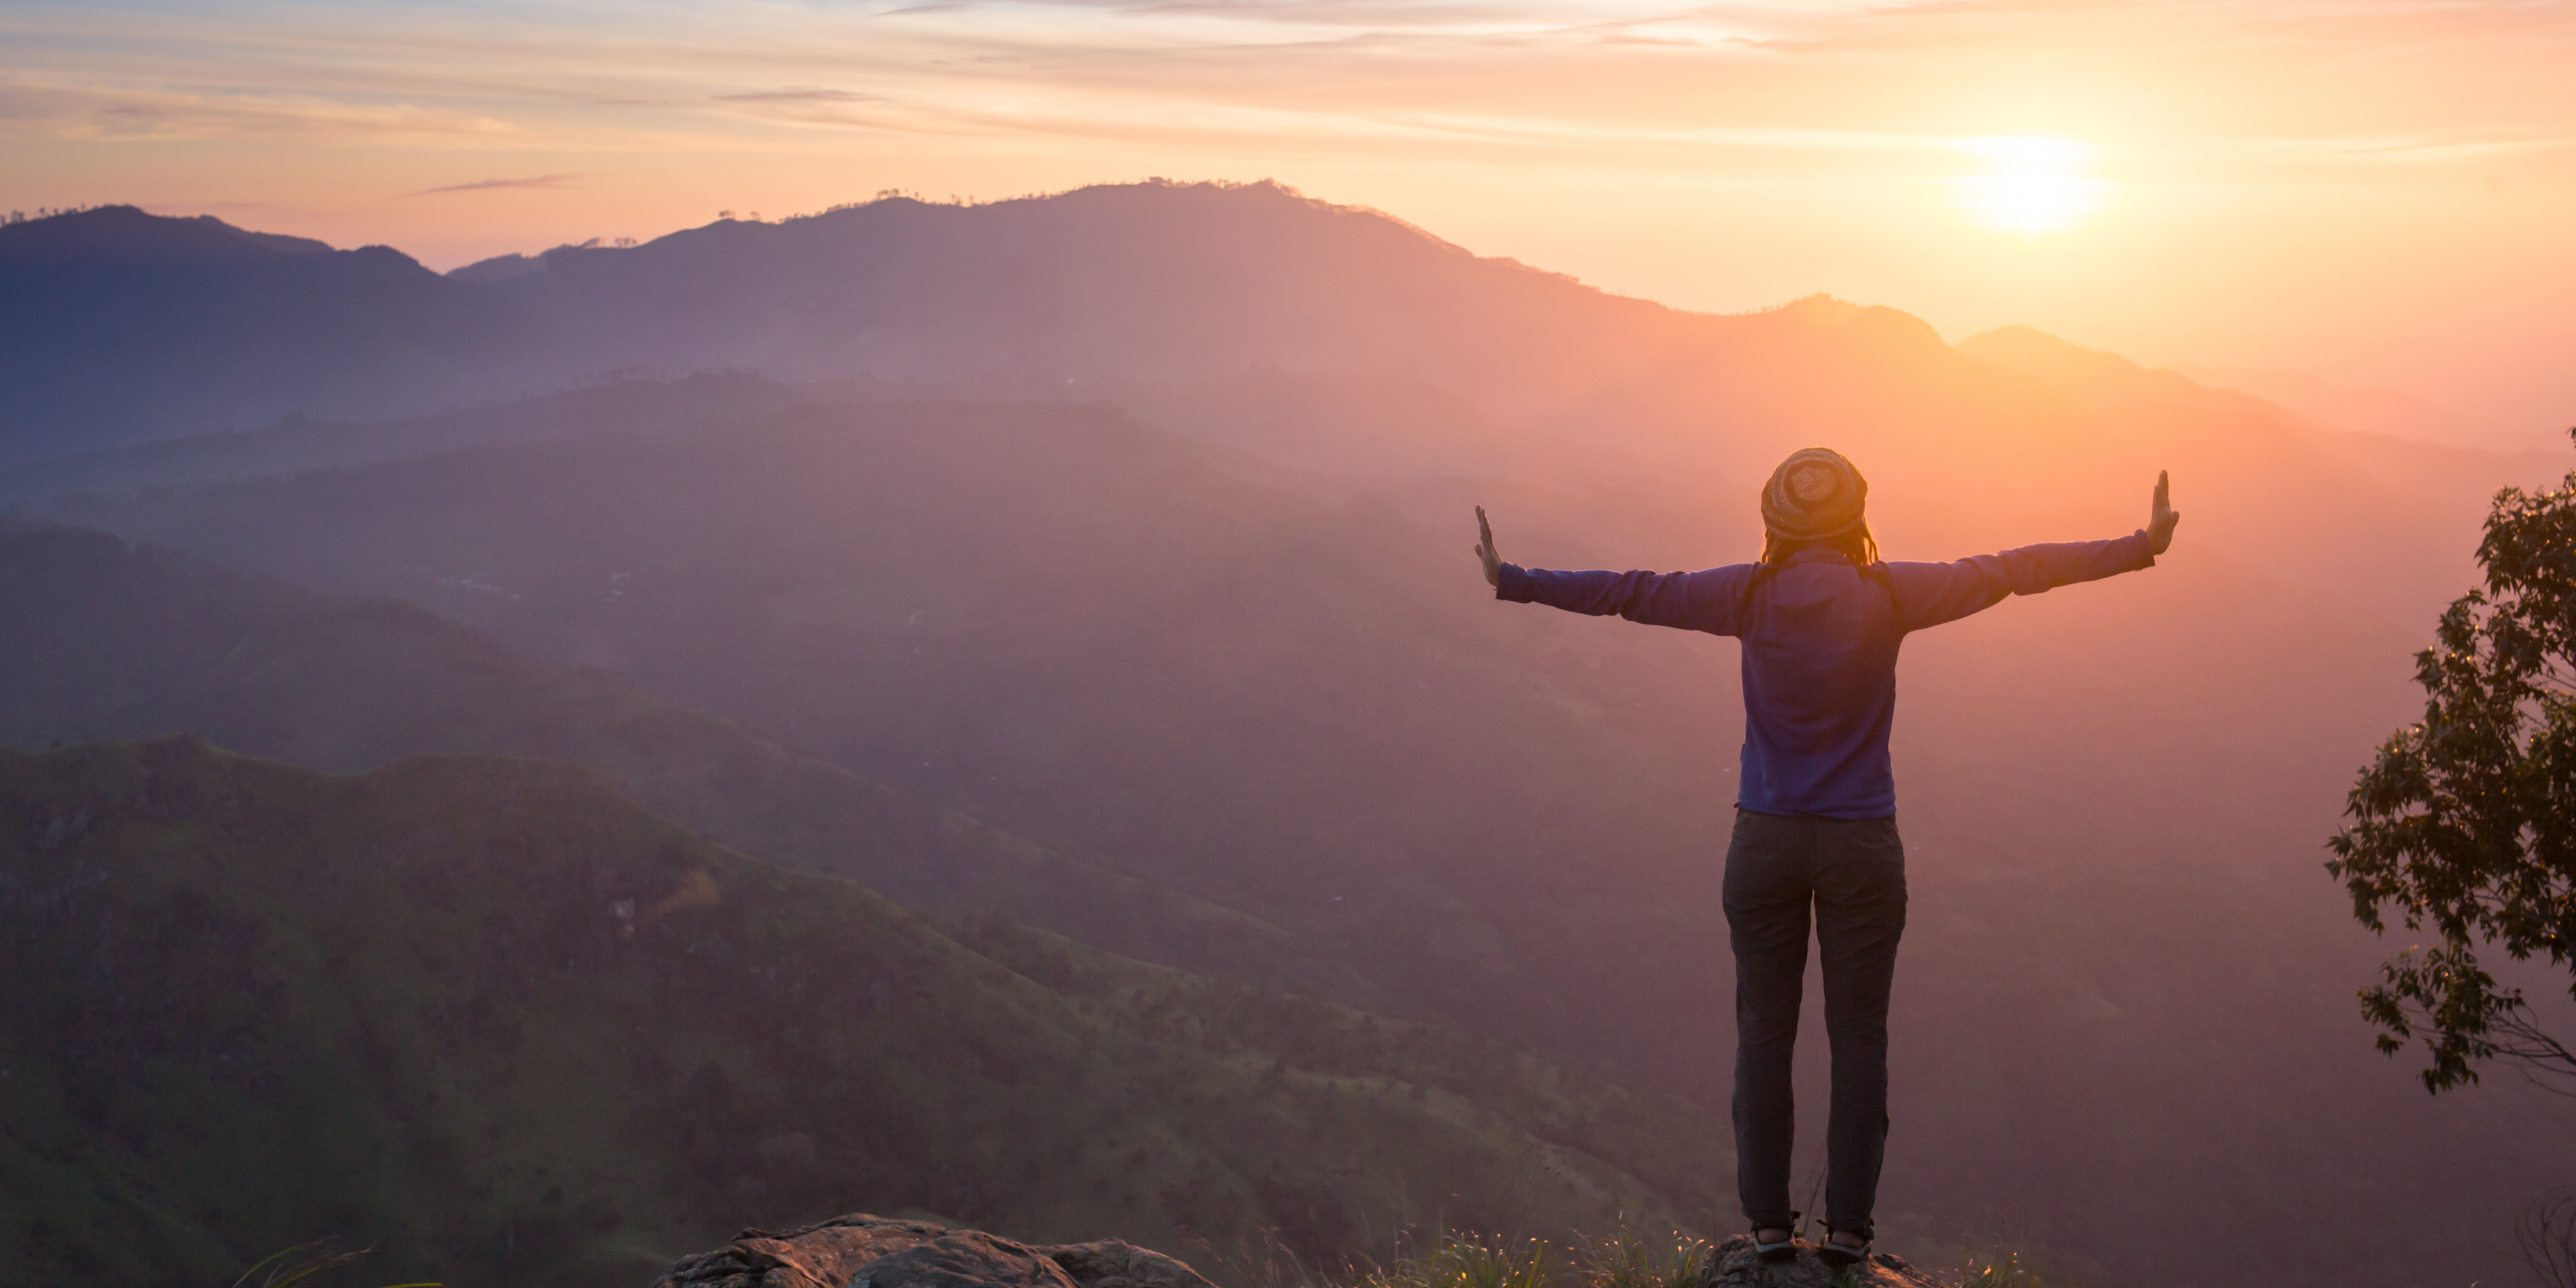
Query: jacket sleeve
{"x":1928,"y":594}
{"x":1693,"y":601}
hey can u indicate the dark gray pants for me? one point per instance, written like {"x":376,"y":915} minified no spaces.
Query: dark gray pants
{"x":1853,"y":872}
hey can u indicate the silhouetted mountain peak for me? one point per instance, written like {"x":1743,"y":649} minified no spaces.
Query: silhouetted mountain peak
{"x":117,"y":324}
{"x":130,"y":233}
{"x":1129,"y":224}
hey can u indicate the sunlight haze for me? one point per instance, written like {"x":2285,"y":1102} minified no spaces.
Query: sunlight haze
{"x":2029,"y":185}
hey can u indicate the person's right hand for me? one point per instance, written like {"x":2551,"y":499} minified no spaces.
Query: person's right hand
{"x":2161,"y":517}
{"x":1485,"y":550}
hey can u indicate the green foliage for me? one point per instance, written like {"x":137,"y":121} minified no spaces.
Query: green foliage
{"x":2466,"y":823}
{"x":1625,"y":1260}
{"x":1456,"y":1260}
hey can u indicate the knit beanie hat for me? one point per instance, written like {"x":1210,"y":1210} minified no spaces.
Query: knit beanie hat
{"x":1815,"y":493}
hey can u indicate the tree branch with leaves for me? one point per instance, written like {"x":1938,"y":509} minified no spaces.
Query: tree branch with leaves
{"x":2465,"y":824}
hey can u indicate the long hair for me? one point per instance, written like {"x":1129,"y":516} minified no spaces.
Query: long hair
{"x":1858,"y":543}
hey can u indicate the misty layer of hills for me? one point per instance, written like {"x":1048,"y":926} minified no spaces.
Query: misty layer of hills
{"x":1132,"y":522}
{"x":113,"y":643}
{"x":493,"y":1015}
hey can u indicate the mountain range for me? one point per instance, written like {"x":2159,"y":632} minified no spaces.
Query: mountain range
{"x":1131,"y":522}
{"x":124,"y":326}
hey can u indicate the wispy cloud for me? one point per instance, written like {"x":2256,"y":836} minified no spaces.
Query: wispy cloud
{"x":82,"y":112}
{"x":1632,"y":78}
{"x":833,"y":108}
{"x":2434,"y":151}
{"x":801,"y":94}
{"x":538,"y":181}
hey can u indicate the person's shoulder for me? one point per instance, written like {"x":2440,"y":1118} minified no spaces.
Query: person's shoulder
{"x":1722,"y":574}
{"x":1914,"y":580}
{"x":1920,"y":569}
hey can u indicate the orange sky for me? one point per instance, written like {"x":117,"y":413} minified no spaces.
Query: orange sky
{"x":2379,"y":193}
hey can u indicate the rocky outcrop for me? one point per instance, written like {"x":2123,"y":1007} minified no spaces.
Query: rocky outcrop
{"x":862,"y":1251}
{"x":1736,"y":1266}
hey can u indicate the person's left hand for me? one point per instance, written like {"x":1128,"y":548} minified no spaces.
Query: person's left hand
{"x":2161,"y":517}
{"x":1485,"y":550}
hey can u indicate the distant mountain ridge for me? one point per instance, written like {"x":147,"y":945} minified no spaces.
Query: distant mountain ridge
{"x":112,"y":314}
{"x":118,"y":326}
{"x":111,"y":236}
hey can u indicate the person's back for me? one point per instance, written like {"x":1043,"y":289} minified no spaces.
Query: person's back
{"x":1821,"y":619}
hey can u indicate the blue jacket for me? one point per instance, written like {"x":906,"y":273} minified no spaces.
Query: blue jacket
{"x":1820,"y":636}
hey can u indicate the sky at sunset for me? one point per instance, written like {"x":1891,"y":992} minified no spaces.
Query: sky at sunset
{"x":2381,"y":194}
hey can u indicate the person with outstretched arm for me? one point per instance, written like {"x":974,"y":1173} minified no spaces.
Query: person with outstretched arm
{"x":1820,"y":617}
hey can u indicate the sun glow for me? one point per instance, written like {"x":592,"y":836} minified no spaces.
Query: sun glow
{"x":2028,"y":185}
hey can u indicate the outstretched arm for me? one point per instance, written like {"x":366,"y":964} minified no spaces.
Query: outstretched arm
{"x":1929,"y":594}
{"x":1700,"y":601}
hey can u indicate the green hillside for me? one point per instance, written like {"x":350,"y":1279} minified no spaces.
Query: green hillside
{"x":494,"y":1016}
